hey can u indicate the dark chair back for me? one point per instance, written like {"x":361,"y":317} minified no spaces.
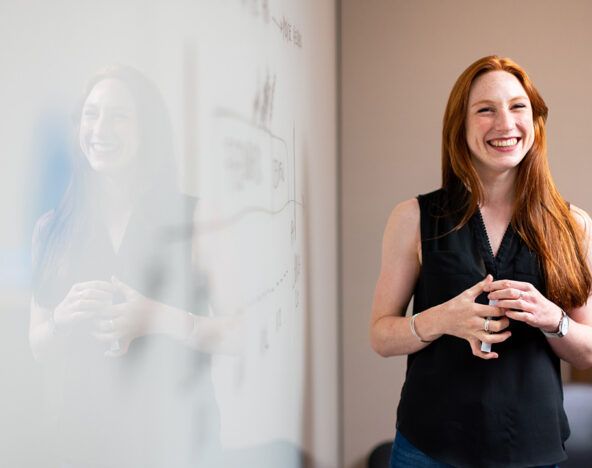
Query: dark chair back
{"x":577,"y":400}
{"x":380,"y":455}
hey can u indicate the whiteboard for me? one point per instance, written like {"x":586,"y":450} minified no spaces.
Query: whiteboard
{"x":251,"y":90}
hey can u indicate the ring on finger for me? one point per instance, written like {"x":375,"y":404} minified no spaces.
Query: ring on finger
{"x":486,"y":324}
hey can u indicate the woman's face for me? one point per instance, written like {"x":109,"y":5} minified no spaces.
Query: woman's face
{"x":109,"y":127}
{"x":499,"y":123}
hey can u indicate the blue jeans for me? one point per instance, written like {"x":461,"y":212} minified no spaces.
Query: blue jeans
{"x":406,"y":455}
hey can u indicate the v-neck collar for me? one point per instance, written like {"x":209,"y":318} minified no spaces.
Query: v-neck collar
{"x":134,"y":215}
{"x":491,"y":261}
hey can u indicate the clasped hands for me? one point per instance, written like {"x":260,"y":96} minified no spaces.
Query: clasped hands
{"x":516,"y":300}
{"x":115,"y":324}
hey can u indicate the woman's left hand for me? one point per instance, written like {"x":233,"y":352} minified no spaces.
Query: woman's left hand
{"x":523,"y":302}
{"x":122,"y":323}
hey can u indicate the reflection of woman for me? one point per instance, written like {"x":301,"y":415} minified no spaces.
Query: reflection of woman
{"x":115,"y":314}
{"x":498,"y":215}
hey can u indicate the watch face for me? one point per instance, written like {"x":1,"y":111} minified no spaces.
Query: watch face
{"x":564,"y":325}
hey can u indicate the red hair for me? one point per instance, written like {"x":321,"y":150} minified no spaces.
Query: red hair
{"x":541,"y":216}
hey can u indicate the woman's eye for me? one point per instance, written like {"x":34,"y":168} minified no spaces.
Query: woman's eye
{"x":485,"y":109}
{"x":120,"y":117}
{"x":519,"y":106}
{"x":89,"y":114}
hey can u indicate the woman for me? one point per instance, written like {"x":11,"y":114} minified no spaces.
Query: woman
{"x":496,"y":256}
{"x":117,"y":314}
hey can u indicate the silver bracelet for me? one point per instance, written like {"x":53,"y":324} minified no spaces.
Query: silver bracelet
{"x":412,"y":326}
{"x":52,"y":326}
{"x":194,"y":327}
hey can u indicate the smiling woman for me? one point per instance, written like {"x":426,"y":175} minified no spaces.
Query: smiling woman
{"x":117,"y":315}
{"x":495,"y":257}
{"x":109,"y":127}
{"x":499,"y":123}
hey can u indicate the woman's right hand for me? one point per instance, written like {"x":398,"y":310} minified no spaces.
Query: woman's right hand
{"x":466,"y":319}
{"x":83,"y":302}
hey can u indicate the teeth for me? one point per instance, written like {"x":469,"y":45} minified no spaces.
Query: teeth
{"x":104,"y":147}
{"x":508,"y":142}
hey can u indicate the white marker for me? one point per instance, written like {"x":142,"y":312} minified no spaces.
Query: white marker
{"x":486,"y":347}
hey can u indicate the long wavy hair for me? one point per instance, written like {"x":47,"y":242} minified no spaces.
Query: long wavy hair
{"x":76,"y":216}
{"x":541,"y":216}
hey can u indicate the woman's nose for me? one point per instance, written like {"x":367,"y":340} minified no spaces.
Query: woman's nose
{"x":103,"y":125}
{"x":504,"y":120}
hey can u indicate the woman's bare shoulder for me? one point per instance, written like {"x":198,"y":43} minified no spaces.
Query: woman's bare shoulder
{"x":402,"y":228}
{"x":581,"y":217}
{"x":406,"y":211}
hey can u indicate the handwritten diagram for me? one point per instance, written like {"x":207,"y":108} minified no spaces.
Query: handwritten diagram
{"x":249,"y":221}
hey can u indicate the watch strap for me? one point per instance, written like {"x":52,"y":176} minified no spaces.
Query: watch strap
{"x":561,"y":328}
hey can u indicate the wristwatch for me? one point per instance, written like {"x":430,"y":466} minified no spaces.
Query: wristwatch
{"x":562,"y":329}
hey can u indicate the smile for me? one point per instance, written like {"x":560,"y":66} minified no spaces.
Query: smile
{"x":104,"y":147}
{"x":504,"y":142}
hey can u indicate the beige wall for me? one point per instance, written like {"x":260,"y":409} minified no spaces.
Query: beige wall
{"x":399,"y":61}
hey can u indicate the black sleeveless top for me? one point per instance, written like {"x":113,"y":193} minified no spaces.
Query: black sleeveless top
{"x":155,"y":405}
{"x":461,"y":409}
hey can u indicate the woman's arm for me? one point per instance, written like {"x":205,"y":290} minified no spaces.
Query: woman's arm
{"x":390,"y":330}
{"x":139,"y":315}
{"x":537,"y":311}
{"x":576,"y":346}
{"x":390,"y":334}
{"x":214,"y":335}
{"x":577,"y":349}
